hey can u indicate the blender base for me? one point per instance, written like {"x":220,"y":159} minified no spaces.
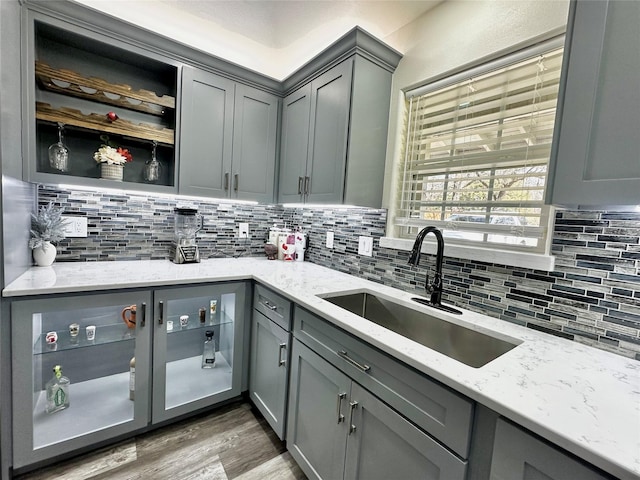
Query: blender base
{"x":184,"y":254}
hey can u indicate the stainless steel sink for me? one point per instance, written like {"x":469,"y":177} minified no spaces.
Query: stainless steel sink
{"x":468,"y":346}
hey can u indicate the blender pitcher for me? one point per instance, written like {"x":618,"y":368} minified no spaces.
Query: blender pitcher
{"x":187,"y":222}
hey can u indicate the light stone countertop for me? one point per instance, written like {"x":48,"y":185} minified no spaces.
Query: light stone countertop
{"x":580,"y":398}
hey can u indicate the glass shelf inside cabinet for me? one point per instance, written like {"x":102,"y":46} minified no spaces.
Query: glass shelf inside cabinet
{"x":98,"y":371}
{"x":193,"y":322}
{"x":116,"y":332}
{"x":186,"y":379}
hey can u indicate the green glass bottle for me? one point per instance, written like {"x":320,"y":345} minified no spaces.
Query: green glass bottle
{"x":57,"y":391}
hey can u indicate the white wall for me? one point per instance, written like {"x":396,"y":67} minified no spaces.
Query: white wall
{"x":455,"y":34}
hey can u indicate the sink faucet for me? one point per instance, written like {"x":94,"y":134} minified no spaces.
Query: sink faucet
{"x":435,"y":288}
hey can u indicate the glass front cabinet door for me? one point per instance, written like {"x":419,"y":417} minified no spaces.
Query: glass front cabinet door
{"x":80,"y":367}
{"x":197,"y":347}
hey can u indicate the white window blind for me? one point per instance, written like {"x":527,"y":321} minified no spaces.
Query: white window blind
{"x":476,"y":155}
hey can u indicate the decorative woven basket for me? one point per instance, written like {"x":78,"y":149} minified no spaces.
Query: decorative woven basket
{"x":111,"y":172}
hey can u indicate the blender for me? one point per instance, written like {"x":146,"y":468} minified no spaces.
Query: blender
{"x":187,"y":222}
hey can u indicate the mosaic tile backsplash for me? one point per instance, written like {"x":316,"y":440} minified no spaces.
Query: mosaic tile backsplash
{"x":592,"y":296}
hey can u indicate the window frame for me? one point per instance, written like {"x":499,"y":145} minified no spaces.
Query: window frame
{"x":486,"y":252}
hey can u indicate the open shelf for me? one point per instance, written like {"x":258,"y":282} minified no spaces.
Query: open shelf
{"x":98,"y":122}
{"x":93,"y":405}
{"x":68,"y":82}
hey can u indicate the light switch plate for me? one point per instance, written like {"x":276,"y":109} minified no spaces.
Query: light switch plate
{"x":243,"y":230}
{"x":365,"y":246}
{"x":329,"y":242}
{"x":75,"y":227}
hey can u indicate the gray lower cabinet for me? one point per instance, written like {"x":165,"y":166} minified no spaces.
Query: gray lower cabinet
{"x":228,"y":135}
{"x":159,"y":333}
{"x":595,"y":159}
{"x":339,"y":430}
{"x":270,"y":351}
{"x":99,"y":401}
{"x":182,"y":318}
{"x":334,"y":136}
{"x":518,"y":455}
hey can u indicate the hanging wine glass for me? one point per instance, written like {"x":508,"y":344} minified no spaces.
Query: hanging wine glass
{"x":152,"y":167}
{"x":59,"y":153}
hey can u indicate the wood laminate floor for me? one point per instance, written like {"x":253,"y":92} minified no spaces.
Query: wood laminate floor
{"x":230,"y":443}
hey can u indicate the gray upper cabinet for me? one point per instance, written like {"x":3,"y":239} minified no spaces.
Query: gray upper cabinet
{"x":255,"y":129}
{"x":206,"y":134}
{"x":334,"y":124}
{"x":294,"y":144}
{"x":328,"y":128}
{"x":517,"y":455}
{"x":314,"y":138}
{"x":228,"y":138}
{"x":596,"y":155}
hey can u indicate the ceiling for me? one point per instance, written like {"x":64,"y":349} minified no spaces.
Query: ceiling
{"x":273,"y":37}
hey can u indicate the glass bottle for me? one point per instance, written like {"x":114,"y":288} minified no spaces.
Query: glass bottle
{"x":59,"y":153}
{"x":132,"y":378}
{"x":152,"y":167}
{"x":209,"y":351}
{"x":57,"y":391}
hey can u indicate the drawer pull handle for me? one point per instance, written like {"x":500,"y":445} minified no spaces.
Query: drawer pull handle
{"x":270,"y":306}
{"x":352,"y":407}
{"x":307,"y":180}
{"x":300,"y":180}
{"x":160,"y":313}
{"x":281,"y":347}
{"x":226,"y":181}
{"x":341,"y":396}
{"x":235,"y":182}
{"x":345,"y":355}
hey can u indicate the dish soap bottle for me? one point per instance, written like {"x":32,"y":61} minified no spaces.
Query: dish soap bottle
{"x":57,"y":391}
{"x":209,"y":351}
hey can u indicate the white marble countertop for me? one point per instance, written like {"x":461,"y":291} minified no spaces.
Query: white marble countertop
{"x":580,"y":398}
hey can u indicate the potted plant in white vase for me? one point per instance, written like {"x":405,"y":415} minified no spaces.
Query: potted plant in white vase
{"x":47,"y":227}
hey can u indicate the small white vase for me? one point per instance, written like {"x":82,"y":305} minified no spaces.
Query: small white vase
{"x":45,"y":255}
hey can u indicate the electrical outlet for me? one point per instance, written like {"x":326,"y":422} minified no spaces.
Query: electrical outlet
{"x":243,"y":230}
{"x":365,"y":246}
{"x":75,"y":226}
{"x":329,"y":242}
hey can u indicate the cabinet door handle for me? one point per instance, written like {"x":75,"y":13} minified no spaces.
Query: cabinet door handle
{"x":299,"y":185}
{"x":345,"y":355}
{"x":144,"y":314}
{"x":226,"y":181}
{"x":270,"y":306}
{"x":341,"y":396}
{"x":160,"y":313}
{"x":235,"y":182}
{"x":307,"y":181}
{"x":352,"y":407}
{"x":282,"y":347}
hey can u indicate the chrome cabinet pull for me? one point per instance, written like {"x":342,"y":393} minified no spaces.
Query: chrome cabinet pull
{"x":307,"y":181}
{"x":341,"y":396}
{"x":235,"y":182}
{"x":282,"y":347}
{"x":345,"y":355}
{"x":299,"y":185}
{"x":352,"y":407}
{"x":270,"y":306}
{"x":226,"y":181}
{"x":144,"y":314}
{"x":160,"y":313}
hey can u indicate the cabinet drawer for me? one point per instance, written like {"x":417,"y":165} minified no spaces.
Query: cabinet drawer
{"x":441,"y":412}
{"x":273,"y":306}
{"x":520,"y":455}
